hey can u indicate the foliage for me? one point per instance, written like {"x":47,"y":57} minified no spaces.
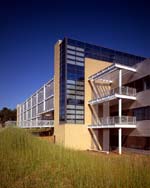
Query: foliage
{"x":7,"y":114}
{"x":29,"y":162}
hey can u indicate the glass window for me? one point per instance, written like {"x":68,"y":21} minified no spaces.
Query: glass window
{"x":71,"y":106}
{"x":70,"y":116}
{"x":70,"y":86}
{"x":33,"y":112}
{"x":71,"y":121}
{"x":71,"y":91}
{"x":40,"y":95}
{"x":139,"y":85}
{"x":24,"y":105}
{"x":80,"y":64}
{"x":80,"y":83}
{"x":71,"y":96}
{"x":79,"y":112}
{"x":71,"y":62}
{"x":79,"y":107}
{"x":71,"y":111}
{"x":147,"y":82}
{"x":80,"y":88}
{"x":71,"y":52}
{"x":70,"y":57}
{"x":71,"y":82}
{"x":49,"y":104}
{"x":79,"y":59}
{"x":80,"y":54}
{"x":71,"y":47}
{"x":33,"y":100}
{"x":80,"y":49}
{"x":142,"y":113}
{"x":79,"y":121}
{"x":79,"y":116}
{"x":24,"y":116}
{"x":79,"y":97}
{"x":40,"y":107}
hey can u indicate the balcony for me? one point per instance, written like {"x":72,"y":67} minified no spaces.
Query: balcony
{"x":36,"y":124}
{"x":115,"y":122}
{"x":120,"y":92}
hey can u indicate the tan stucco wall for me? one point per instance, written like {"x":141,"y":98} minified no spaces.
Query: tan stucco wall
{"x":59,"y":131}
{"x":77,"y":137}
{"x":56,"y":81}
{"x":91,"y":67}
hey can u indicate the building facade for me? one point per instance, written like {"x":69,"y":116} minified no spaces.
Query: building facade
{"x":98,"y":98}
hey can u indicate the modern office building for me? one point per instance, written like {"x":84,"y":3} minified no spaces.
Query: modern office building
{"x":98,"y":99}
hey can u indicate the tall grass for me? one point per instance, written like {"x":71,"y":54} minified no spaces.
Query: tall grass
{"x":29,"y":162}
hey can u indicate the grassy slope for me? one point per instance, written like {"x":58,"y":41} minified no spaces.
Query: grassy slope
{"x":29,"y":162}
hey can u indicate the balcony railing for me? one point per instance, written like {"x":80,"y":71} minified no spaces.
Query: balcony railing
{"x":115,"y":121}
{"x":123,"y":91}
{"x":109,"y":94}
{"x":129,"y":120}
{"x":36,"y":123}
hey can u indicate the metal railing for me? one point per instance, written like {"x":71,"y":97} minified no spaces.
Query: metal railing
{"x":128,"y":120}
{"x":123,"y":91}
{"x":128,"y":91}
{"x":36,"y":123}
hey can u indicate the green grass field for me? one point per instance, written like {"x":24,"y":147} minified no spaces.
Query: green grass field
{"x":29,"y":162}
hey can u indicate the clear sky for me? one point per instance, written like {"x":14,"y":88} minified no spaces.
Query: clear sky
{"x":30,"y":28}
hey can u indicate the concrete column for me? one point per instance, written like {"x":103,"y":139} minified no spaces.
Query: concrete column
{"x":120,"y":140}
{"x":106,"y":140}
{"x":120,"y":113}
{"x":106,"y":110}
{"x":120,"y":108}
{"x":44,"y":93}
{"x":120,"y":80}
{"x":31,"y":109}
{"x":36,"y":107}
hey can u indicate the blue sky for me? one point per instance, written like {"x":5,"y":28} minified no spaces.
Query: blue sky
{"x":30,"y":28}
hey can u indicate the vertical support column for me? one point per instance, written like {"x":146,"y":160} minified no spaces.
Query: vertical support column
{"x":26,"y":113}
{"x":120,"y":113}
{"x":120,"y":140}
{"x":36,"y":108}
{"x":120,"y":109}
{"x":44,"y":96}
{"x":120,"y":91}
{"x":31,"y":112}
{"x":23,"y":114}
{"x":120,"y":81}
{"x":106,"y":109}
{"x":106,"y":140}
{"x":106,"y":132}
